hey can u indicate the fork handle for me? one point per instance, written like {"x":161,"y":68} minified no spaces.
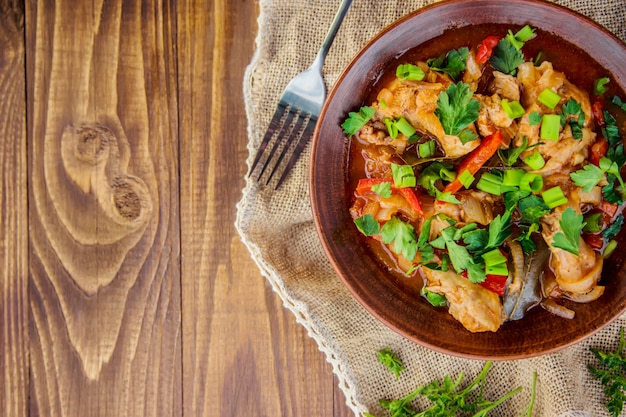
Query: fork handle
{"x":330,"y":36}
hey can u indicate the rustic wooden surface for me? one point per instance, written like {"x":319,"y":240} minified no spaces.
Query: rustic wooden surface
{"x":125,"y":290}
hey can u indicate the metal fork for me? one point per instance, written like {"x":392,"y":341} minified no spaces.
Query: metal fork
{"x":301,"y":100}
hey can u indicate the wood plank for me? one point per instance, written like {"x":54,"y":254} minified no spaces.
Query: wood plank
{"x":243,"y":353}
{"x":104,"y":263}
{"x":13,"y":223}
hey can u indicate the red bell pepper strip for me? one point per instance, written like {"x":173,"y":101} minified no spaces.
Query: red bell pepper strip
{"x":597,"y":111}
{"x":610,"y":209}
{"x":494,"y":283}
{"x":598,"y":150}
{"x":595,"y":240}
{"x":485,"y":50}
{"x":365,"y":185}
{"x":476,"y":159}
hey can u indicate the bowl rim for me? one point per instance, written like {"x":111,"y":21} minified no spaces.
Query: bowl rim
{"x":315,"y":192}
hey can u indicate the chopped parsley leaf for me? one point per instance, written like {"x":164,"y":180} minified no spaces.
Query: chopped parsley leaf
{"x":588,"y":177}
{"x":402,"y":235}
{"x":452,"y":63}
{"x":391,"y":361}
{"x":367,"y":225}
{"x":569,"y":238}
{"x":356,"y":121}
{"x":457,"y":109}
{"x":506,"y":58}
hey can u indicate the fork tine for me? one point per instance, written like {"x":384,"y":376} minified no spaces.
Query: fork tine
{"x":284,"y":130}
{"x":304,"y":139}
{"x":272,"y":128}
{"x":295,"y":132}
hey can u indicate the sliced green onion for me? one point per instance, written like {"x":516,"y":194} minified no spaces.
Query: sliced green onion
{"x":599,"y":86}
{"x":447,"y":175}
{"x":512,"y":177}
{"x":437,"y":300}
{"x":534,"y":118}
{"x":593,"y":223}
{"x":405,"y":127}
{"x":549,"y":98}
{"x":609,"y":249}
{"x":494,"y":257}
{"x":513,"y":109}
{"x":550,"y":127}
{"x":525,"y":34}
{"x":410,"y":72}
{"x":518,"y":39}
{"x":403,"y":176}
{"x":500,"y":269}
{"x":490,"y":183}
{"x":392,"y":129}
{"x":426,"y":149}
{"x":466,"y":178}
{"x":535,"y":161}
{"x":383,"y":104}
{"x":554,"y":197}
{"x":531,"y":182}
{"x":414,"y":138}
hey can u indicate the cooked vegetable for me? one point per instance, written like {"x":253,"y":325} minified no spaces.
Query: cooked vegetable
{"x":485,"y":50}
{"x":524,"y":288}
{"x":475,"y":160}
{"x":489,"y":237}
{"x":410,"y":72}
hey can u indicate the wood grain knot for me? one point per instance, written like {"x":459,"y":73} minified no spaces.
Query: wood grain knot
{"x":95,"y":158}
{"x":126,"y":200}
{"x":92,"y":142}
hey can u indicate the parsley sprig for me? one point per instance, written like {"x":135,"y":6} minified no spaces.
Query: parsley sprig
{"x":506,"y":58}
{"x":569,"y":237}
{"x":614,"y":192}
{"x":450,"y":399}
{"x":356,"y":121}
{"x":452,"y":63}
{"x":391,"y":361}
{"x":457,"y":109}
{"x":612,"y":374}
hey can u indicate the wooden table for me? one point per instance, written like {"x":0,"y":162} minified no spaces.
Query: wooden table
{"x":125,"y":290}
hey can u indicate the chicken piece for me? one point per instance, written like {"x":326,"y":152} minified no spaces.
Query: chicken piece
{"x":566,"y":153}
{"x":375,"y":133}
{"x":506,"y":86}
{"x":454,"y":148}
{"x":476,"y":207}
{"x":416,"y":101}
{"x":473,"y":71}
{"x":528,"y":131}
{"x":475,"y":307}
{"x":574,"y":274}
{"x":536,"y":79}
{"x":491,"y":116}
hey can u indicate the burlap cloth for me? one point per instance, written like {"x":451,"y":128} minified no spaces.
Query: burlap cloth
{"x":278,"y":229}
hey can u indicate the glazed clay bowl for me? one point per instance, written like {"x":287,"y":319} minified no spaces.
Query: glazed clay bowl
{"x":539,"y":332}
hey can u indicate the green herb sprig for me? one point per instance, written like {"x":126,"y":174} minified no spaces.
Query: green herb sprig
{"x":612,"y":374}
{"x":391,"y":361}
{"x":449,"y":399}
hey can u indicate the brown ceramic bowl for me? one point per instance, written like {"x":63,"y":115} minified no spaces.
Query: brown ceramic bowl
{"x":411,"y":316}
